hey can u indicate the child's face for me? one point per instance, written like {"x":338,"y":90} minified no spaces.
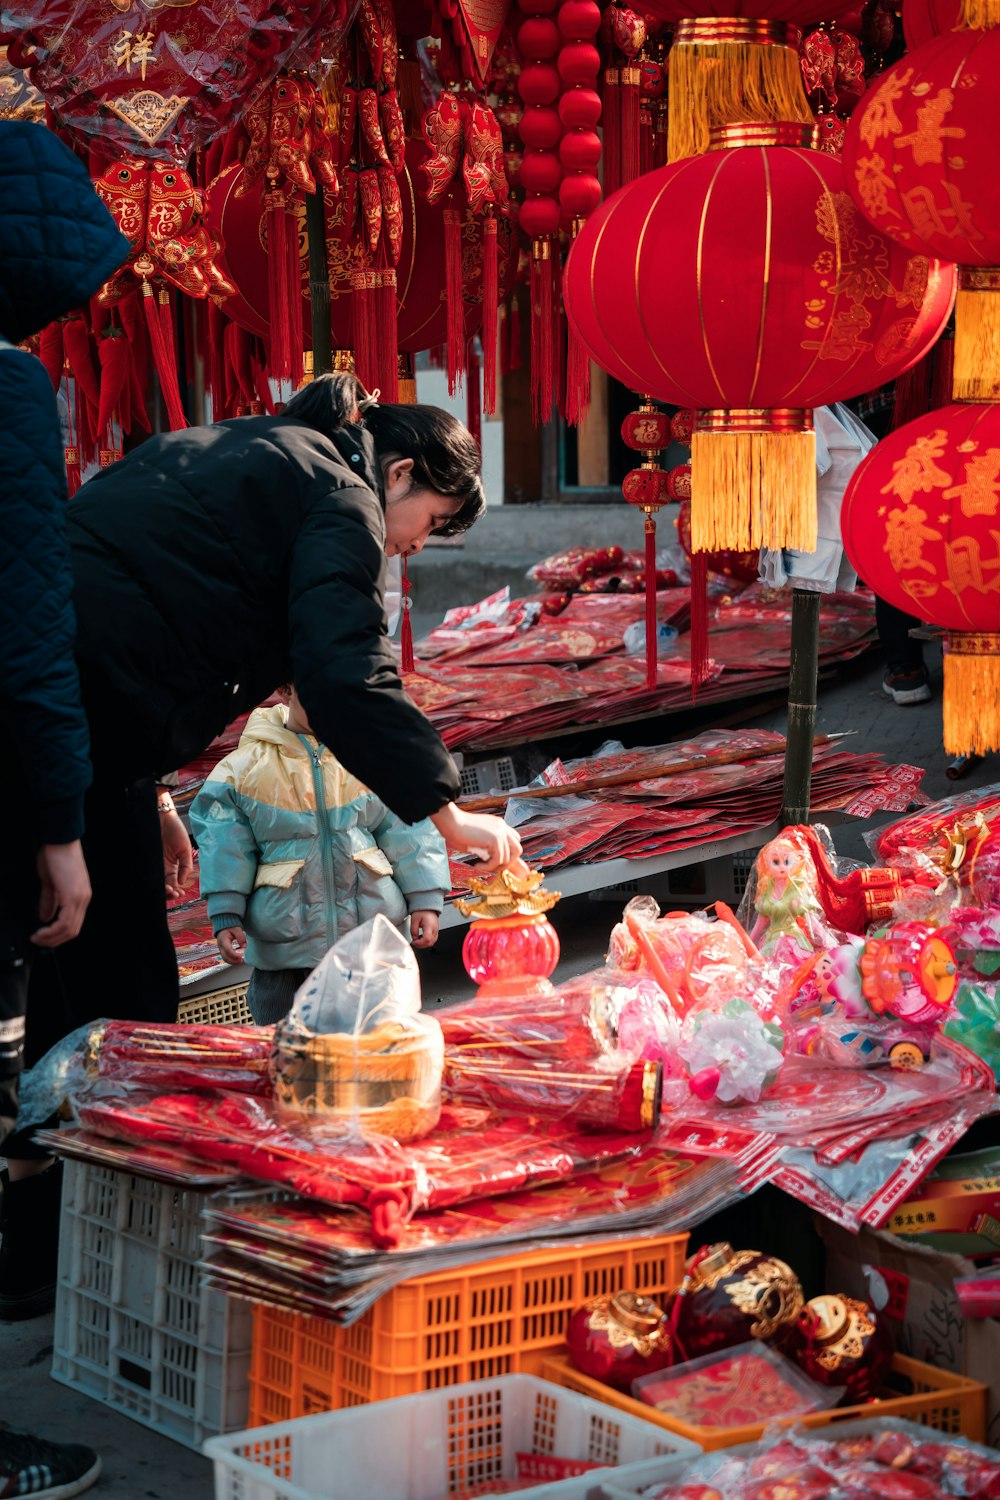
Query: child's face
{"x":297,"y":718}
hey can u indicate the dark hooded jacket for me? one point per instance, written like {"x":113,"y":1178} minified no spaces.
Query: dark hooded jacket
{"x":57,"y":244}
{"x":214,"y":564}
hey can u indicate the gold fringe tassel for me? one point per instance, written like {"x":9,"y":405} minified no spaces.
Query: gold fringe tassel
{"x":977,"y":337}
{"x":981,"y":15}
{"x":971,"y":699}
{"x":752,"y":490}
{"x":716,"y":83}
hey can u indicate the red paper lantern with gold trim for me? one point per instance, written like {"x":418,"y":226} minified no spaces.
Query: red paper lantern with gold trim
{"x":920,"y":161}
{"x":745,"y":283}
{"x":923,"y":19}
{"x":920,"y":523}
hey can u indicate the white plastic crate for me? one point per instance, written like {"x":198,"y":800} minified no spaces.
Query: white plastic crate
{"x":628,"y":1483}
{"x":435,"y":1443}
{"x":134,"y":1325}
{"x":485,"y":777}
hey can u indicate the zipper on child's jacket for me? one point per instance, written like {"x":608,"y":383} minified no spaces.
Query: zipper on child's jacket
{"x":325,"y":842}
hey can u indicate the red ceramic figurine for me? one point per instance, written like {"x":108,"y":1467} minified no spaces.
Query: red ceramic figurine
{"x":839,"y":1341}
{"x":729,"y":1296}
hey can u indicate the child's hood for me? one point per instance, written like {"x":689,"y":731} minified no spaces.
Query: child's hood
{"x":269,"y":726}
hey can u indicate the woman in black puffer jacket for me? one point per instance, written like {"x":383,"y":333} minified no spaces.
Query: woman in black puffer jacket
{"x":212,"y":565}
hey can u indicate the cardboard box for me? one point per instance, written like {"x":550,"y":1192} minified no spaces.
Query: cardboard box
{"x":956,"y":1207}
{"x":915,"y":1287}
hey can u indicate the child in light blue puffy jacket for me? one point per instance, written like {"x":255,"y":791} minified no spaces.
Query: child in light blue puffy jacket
{"x":294,"y":851}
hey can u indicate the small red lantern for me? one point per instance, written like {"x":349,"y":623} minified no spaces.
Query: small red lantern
{"x":919,"y":159}
{"x":815,"y":308}
{"x":919,"y":521}
{"x":511,"y":947}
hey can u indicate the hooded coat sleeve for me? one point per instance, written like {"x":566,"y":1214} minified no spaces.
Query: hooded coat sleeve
{"x":228,"y":854}
{"x":41,"y":716}
{"x":343,"y":667}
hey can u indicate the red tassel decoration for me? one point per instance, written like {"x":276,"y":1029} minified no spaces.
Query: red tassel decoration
{"x":943,"y":355}
{"x":631,"y":78}
{"x":491,"y":299}
{"x":278,"y":281}
{"x":365,"y":335}
{"x":542,"y":328}
{"x":651,"y":652}
{"x":454,"y":297}
{"x":473,"y":398}
{"x":699,"y":620}
{"x":911,"y":397}
{"x":406,"y":628}
{"x":164,"y":368}
{"x":50,"y":350}
{"x":387,"y":359}
{"x":113,"y":354}
{"x":293,"y":265}
{"x":577,"y":380}
{"x":612,"y":112}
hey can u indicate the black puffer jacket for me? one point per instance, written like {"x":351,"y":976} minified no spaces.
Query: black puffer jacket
{"x":57,"y":244}
{"x":211,"y":566}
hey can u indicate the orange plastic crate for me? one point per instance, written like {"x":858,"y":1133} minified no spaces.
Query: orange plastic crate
{"x":920,"y":1393}
{"x":497,"y":1317}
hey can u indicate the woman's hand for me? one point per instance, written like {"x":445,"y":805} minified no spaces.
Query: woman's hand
{"x":65,"y":893}
{"x":494,"y":842}
{"x":178,"y":859}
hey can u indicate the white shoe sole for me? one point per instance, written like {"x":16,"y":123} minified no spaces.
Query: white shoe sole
{"x":905,"y":696}
{"x":70,"y":1488}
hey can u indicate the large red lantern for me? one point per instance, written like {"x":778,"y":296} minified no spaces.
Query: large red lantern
{"x":920,"y":524}
{"x":745,"y":283}
{"x":920,"y":161}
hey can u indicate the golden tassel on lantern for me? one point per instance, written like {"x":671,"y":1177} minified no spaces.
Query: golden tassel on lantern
{"x":753,"y":481}
{"x":977,"y":335}
{"x":729,"y":70}
{"x":971,"y":693}
{"x":979,"y":15}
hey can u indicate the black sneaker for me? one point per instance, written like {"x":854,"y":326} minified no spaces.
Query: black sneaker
{"x":29,"y":1248}
{"x":44,"y":1471}
{"x":907,"y":687}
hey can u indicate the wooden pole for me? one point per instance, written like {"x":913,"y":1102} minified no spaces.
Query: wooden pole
{"x":319,"y":284}
{"x":802,"y":677}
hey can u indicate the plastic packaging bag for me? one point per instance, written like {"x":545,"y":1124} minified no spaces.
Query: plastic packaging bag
{"x":354,"y":1048}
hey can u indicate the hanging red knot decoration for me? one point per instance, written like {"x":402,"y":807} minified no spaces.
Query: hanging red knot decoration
{"x":289,"y":150}
{"x":541,"y":174}
{"x":624,"y":33}
{"x":157,"y":206}
{"x":647,"y":431}
{"x":407,"y":661}
{"x":579,"y":154}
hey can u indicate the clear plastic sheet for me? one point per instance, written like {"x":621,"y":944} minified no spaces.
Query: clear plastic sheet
{"x":953,"y":846}
{"x":885,"y":1462}
{"x":355,"y":1049}
{"x":592,"y":1051}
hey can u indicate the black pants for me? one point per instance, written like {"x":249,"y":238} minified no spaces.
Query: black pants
{"x":122,"y":965}
{"x":901,"y":653}
{"x":18,"y":908}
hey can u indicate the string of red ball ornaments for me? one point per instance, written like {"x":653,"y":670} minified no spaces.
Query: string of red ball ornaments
{"x":579,"y":66}
{"x":540,"y":214}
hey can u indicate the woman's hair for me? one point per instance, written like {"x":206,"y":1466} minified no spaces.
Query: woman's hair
{"x":446,"y":457}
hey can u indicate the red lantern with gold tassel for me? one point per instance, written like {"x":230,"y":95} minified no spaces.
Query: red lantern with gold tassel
{"x":923,"y":19}
{"x":816,"y":307}
{"x":541,"y":173}
{"x":919,"y":521}
{"x":919,"y":161}
{"x":579,"y":154}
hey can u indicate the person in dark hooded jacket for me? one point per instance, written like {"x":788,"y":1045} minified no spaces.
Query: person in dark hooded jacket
{"x":57,"y":244}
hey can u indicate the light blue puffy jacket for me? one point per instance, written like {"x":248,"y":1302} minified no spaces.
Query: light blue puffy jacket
{"x":300,"y":851}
